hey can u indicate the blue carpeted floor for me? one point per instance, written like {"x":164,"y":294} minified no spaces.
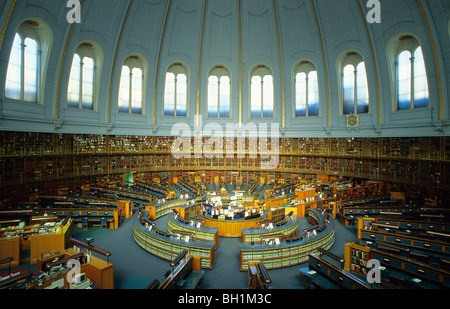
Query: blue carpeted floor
{"x":135,"y":269}
{"x":131,"y":262}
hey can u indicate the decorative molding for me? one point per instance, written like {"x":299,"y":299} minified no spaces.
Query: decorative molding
{"x":436,"y":58}
{"x":283,"y":115}
{"x":108,"y":116}
{"x":369,"y":37}
{"x":58,"y":87}
{"x":200,"y":61}
{"x":5,"y":25}
{"x":324,"y":61}
{"x":159,"y":62}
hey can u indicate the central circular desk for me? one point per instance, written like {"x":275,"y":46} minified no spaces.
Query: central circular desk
{"x":231,"y":228}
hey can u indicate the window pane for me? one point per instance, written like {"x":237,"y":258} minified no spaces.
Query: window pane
{"x":31,"y":66}
{"x":300,"y":95}
{"x":181,"y":95}
{"x":404,"y":80}
{"x":256,"y":97}
{"x":169,"y":96}
{"x":124,"y":90}
{"x":362,"y":94}
{"x":420,"y":80}
{"x":213,"y":96}
{"x":88,"y":83}
{"x":73,"y":97}
{"x":313,"y":94}
{"x":136,"y":102}
{"x":225,"y":96}
{"x":268,"y":96}
{"x":13,"y":77}
{"x":349,"y":90}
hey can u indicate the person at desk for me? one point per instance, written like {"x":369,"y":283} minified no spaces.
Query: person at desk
{"x":239,"y":215}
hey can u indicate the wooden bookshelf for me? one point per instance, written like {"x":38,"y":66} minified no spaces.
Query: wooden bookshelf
{"x":356,"y":258}
{"x":289,"y":252}
{"x":29,"y":158}
{"x":169,"y":248}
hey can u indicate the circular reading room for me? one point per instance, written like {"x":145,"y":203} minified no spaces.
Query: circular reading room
{"x":224,"y":145}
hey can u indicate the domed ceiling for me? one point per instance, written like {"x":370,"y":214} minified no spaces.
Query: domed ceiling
{"x":238,"y":36}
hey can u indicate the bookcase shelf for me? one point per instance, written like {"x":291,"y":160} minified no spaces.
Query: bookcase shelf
{"x":168,"y":248}
{"x":289,"y":253}
{"x":27,"y":158}
{"x":356,"y":258}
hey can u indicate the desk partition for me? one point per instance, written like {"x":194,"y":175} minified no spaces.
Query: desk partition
{"x":231,"y":228}
{"x":157,"y":210}
{"x":255,"y":235}
{"x":292,"y":253}
{"x":200,"y":233}
{"x":168,"y":247}
{"x":428,"y":245}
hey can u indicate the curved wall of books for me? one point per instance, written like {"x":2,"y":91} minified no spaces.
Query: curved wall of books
{"x":295,"y":250}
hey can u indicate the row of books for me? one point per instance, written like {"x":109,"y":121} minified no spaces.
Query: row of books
{"x":25,"y":168}
{"x":36,"y":144}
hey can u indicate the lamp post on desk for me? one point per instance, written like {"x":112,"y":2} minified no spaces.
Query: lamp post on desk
{"x":89,"y":241}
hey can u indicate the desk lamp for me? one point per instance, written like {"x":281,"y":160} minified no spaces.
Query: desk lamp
{"x":89,"y":241}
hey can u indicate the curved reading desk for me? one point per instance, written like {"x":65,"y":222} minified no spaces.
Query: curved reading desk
{"x":255,"y":235}
{"x":231,"y":228}
{"x":190,"y":225}
{"x":168,"y":247}
{"x":158,"y":209}
{"x":294,"y":250}
{"x":191,"y":228}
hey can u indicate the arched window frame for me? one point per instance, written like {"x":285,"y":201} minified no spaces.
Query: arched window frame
{"x":219,"y":93}
{"x":39,"y":32}
{"x":87,"y":52}
{"x":310,"y":95}
{"x":132,"y":95}
{"x":179,"y":94}
{"x":359,"y":94}
{"x":262,"y":93}
{"x":409,"y":45}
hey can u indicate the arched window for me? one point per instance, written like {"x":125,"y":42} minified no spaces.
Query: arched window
{"x":26,"y":62}
{"x":219,"y":93}
{"x":404,"y":71}
{"x":409,"y":76}
{"x":355,"y":90}
{"x":81,"y":83}
{"x":412,"y":83}
{"x":262,"y":93}
{"x":14,"y":76}
{"x":176,"y":91}
{"x":83,"y":78}
{"x":306,"y":91}
{"x":131,"y":94}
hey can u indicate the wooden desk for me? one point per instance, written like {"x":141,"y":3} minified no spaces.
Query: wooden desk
{"x":287,"y":229}
{"x":10,"y":247}
{"x":231,"y":228}
{"x":99,"y":271}
{"x":163,"y":246}
{"x":312,"y":280}
{"x":193,"y":280}
{"x":201,"y":233}
{"x":292,"y":252}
